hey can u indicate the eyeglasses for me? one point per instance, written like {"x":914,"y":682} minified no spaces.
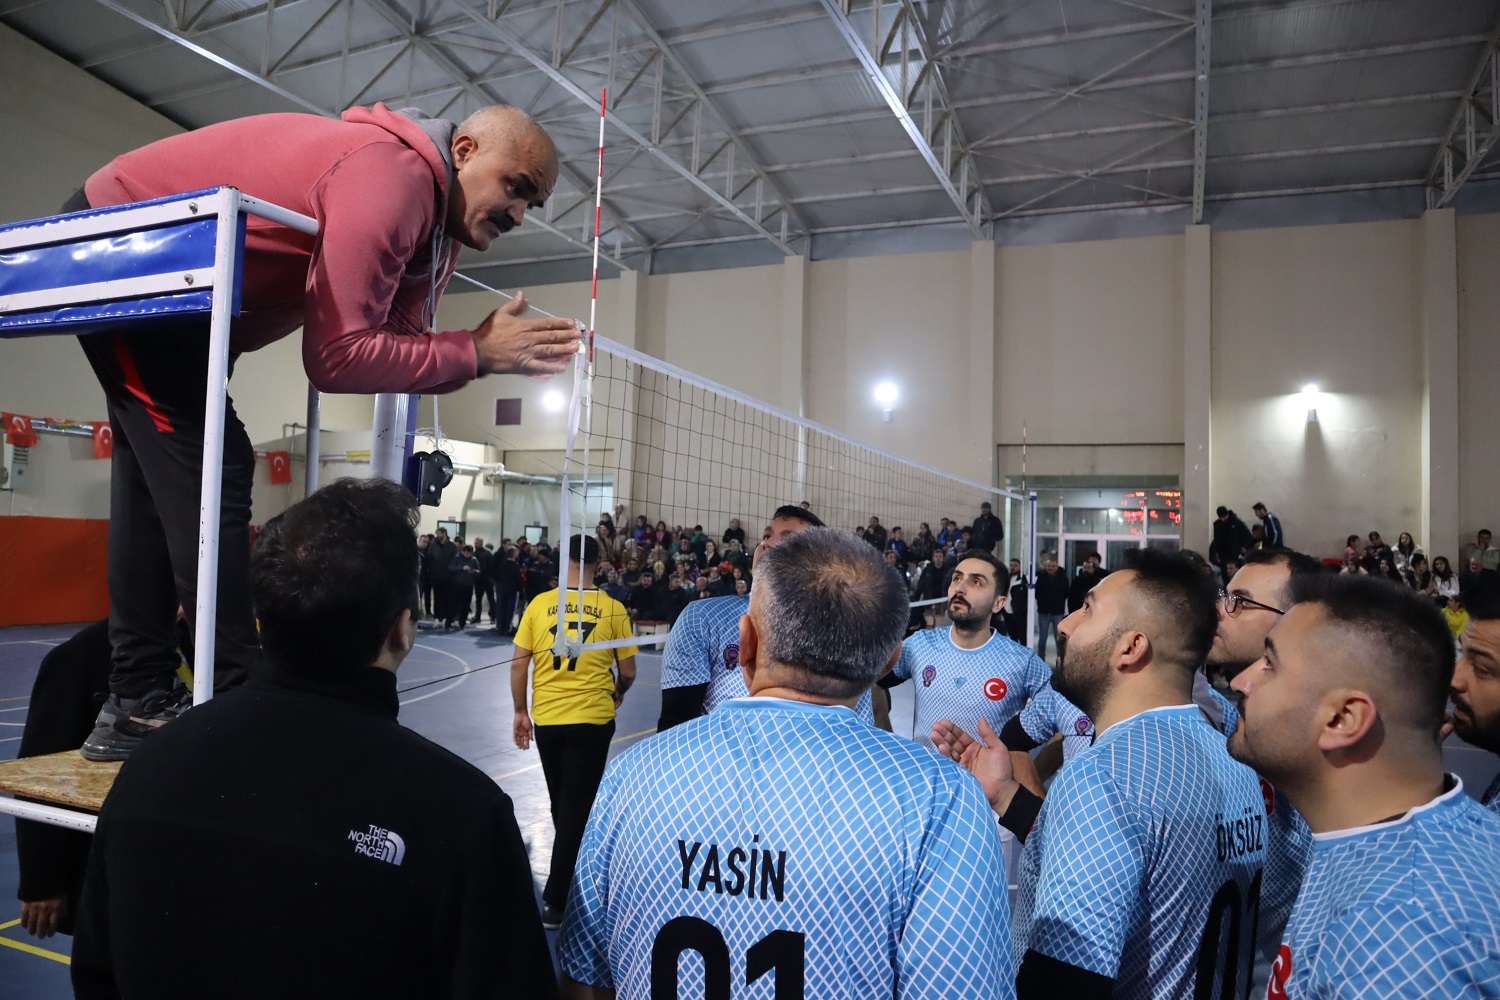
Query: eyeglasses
{"x":1233,"y":602}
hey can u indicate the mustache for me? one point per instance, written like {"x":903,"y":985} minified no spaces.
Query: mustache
{"x":503,"y":222}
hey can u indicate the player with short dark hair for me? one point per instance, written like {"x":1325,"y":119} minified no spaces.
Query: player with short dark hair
{"x":1142,"y":865}
{"x":700,"y":667}
{"x":1342,"y":713}
{"x":1257,"y":596}
{"x":780,"y":836}
{"x":968,"y":670}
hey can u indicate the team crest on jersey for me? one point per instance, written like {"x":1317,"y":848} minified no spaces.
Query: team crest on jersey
{"x":1082,"y":725}
{"x":1280,"y":973}
{"x":995,"y":689}
{"x":929,"y":672}
{"x":732,"y":655}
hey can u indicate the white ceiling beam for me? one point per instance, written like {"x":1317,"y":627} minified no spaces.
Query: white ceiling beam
{"x":1203,"y":31}
{"x":953,"y":157}
{"x":518,"y":45}
{"x":1473,"y":132}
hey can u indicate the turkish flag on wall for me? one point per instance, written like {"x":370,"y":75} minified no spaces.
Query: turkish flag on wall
{"x":104,"y":440}
{"x":281,"y":467}
{"x":18,"y":430}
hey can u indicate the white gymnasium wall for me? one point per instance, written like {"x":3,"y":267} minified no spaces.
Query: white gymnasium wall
{"x":1338,"y":306}
{"x":1089,"y":357}
{"x":1478,"y":371}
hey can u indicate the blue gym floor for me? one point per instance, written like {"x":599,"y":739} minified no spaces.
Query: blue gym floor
{"x":469,"y":714}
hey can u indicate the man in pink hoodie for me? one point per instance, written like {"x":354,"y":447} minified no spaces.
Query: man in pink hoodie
{"x":396,"y":194}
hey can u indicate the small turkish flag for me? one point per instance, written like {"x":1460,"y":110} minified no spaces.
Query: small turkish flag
{"x":18,"y":430}
{"x":281,"y":467}
{"x":104,"y":440}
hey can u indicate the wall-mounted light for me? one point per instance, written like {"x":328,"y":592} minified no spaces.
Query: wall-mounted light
{"x":1310,"y":397}
{"x":553,"y":401}
{"x":886,"y":394}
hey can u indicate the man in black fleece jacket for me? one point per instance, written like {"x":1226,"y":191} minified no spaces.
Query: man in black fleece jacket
{"x":290,"y":838}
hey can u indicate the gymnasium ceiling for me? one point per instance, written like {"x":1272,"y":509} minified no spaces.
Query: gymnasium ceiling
{"x":742,"y":132}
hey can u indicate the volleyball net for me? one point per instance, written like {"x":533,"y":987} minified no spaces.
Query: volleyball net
{"x":649,"y":439}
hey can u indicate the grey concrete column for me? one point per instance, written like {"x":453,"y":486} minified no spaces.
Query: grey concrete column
{"x":1439,"y":314}
{"x":1197,"y":381}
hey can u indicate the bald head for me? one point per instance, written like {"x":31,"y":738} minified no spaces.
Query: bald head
{"x":504,"y":163}
{"x":502,"y":125}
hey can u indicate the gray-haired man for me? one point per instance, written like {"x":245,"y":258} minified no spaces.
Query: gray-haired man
{"x":759,"y":837}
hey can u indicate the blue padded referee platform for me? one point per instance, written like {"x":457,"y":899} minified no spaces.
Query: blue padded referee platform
{"x":108,"y":269}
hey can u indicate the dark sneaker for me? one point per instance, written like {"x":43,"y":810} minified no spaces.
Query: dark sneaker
{"x":124,"y":722}
{"x":551,"y":918}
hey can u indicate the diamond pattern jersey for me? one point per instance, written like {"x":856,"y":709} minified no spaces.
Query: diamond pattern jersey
{"x":1289,"y":844}
{"x":704,"y":648}
{"x":779,"y":835}
{"x":1147,"y":851}
{"x":1399,"y":909}
{"x":993,"y":682}
{"x":1049,"y":713}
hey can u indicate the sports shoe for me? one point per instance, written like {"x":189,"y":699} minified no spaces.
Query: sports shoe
{"x":551,"y":918}
{"x":124,"y":722}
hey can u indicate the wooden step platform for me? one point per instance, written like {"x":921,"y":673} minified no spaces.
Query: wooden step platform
{"x":61,"y":779}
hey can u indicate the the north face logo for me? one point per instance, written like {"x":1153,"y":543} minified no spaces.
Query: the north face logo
{"x":378,"y":843}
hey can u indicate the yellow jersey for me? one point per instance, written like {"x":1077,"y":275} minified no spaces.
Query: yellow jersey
{"x":568,"y":691}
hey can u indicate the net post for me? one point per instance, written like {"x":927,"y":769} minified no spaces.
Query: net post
{"x":1031,"y":572}
{"x":226,"y":267}
{"x":388,"y":445}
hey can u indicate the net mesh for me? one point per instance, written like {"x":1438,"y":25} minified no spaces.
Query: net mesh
{"x":656,"y":441}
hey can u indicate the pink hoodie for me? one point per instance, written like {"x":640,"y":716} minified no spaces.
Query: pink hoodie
{"x":377,"y":184}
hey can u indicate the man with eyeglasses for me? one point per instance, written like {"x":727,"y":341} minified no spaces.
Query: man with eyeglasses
{"x":1257,"y":597}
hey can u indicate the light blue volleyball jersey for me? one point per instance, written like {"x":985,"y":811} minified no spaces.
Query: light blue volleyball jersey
{"x":774,"y":843}
{"x":1146,"y":859}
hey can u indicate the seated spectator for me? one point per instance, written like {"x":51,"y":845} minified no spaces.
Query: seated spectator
{"x":1352,"y":548}
{"x":1489,"y":556}
{"x":741,"y":588}
{"x":1386,"y":569}
{"x":1418,"y":577}
{"x":642,"y":599}
{"x":921,"y":547}
{"x":1406,"y":549}
{"x":897,"y":544}
{"x":734,"y":533}
{"x":1257,"y":538}
{"x":661,"y":536}
{"x":875,"y":534}
{"x":65,"y":699}
{"x":1376,"y":551}
{"x":1476,"y":576}
{"x":710,"y":554}
{"x":1444,"y":580}
{"x":613,"y":587}
{"x":334,"y":860}
{"x":1455,"y":614}
{"x":641,"y":533}
{"x":1352,"y":566}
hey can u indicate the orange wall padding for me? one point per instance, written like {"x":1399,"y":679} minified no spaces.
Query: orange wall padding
{"x":52,"y":570}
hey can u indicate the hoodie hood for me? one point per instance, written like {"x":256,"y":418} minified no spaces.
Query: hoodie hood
{"x":431,"y":137}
